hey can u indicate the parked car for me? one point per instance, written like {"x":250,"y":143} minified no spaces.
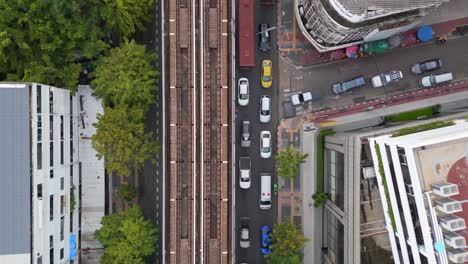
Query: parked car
{"x":244,"y":172}
{"x":339,"y":88}
{"x":267,"y":78}
{"x":265,"y":109}
{"x":244,"y":236}
{"x":265,"y":240}
{"x":433,"y":80}
{"x":386,"y":78}
{"x":243,"y":91}
{"x":425,"y":66}
{"x":263,"y":37}
{"x":245,"y":134}
{"x":265,"y":144}
{"x":300,"y":98}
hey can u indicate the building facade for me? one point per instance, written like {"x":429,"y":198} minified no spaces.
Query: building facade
{"x":335,"y":24}
{"x":41,"y":175}
{"x":391,"y":207}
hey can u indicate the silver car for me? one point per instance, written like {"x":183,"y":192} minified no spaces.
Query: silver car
{"x":265,"y":144}
{"x":244,"y":235}
{"x":245,"y":134}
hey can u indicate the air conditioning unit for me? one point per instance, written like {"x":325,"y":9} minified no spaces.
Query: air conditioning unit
{"x":368,"y":172}
{"x":448,"y":205}
{"x":452,"y":222}
{"x":445,"y":189}
{"x":454,"y":240}
{"x":457,"y":255}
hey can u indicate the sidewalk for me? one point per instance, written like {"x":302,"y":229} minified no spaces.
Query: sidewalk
{"x":297,"y":50}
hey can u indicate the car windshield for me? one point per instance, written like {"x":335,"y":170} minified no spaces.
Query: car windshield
{"x":265,"y":149}
{"x":244,"y":179}
{"x":266,"y":78}
{"x":243,"y":96}
{"x":264,"y":112}
{"x":265,"y":202}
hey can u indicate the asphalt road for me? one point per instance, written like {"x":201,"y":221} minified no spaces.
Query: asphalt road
{"x":151,"y":180}
{"x":247,"y":201}
{"x":320,"y":78}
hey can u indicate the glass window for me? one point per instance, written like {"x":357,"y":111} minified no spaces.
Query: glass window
{"x":51,"y":208}
{"x":39,"y":156}
{"x":39,"y":191}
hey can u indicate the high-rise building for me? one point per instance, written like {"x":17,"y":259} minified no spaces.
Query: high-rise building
{"x":40,"y":175}
{"x":397,"y":193}
{"x":335,"y":24}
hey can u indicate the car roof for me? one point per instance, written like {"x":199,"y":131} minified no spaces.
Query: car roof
{"x":265,"y":101}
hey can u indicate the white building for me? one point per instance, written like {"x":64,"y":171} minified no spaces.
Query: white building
{"x":423,"y":184}
{"x":335,"y":24}
{"x":40,"y":175}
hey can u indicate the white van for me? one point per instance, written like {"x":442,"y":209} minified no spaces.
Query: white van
{"x":265,"y":191}
{"x":433,"y":80}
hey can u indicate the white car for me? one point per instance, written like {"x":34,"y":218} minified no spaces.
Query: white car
{"x":300,"y":98}
{"x":386,"y":78}
{"x":243,"y":91}
{"x":244,"y":172}
{"x":265,"y":144}
{"x":244,"y":236}
{"x":265,"y":109}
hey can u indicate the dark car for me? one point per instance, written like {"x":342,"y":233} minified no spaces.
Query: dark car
{"x":426,"y":66}
{"x":265,"y":240}
{"x":342,"y":87}
{"x":245,"y":136}
{"x":263,"y":37}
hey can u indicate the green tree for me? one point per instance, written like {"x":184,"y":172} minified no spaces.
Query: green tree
{"x":125,"y":16}
{"x":43,"y":41}
{"x":126,"y":77}
{"x":122,"y":140}
{"x":287,"y":162}
{"x":287,"y":244}
{"x":127,"y":237}
{"x":127,"y":192}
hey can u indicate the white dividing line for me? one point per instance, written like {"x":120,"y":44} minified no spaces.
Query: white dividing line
{"x":194,"y":149}
{"x":202,"y":132}
{"x":163,"y":136}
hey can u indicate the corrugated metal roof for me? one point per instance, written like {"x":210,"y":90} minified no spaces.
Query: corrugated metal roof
{"x":15,"y":229}
{"x":359,"y":7}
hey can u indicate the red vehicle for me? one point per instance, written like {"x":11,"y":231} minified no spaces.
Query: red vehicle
{"x":246,"y":33}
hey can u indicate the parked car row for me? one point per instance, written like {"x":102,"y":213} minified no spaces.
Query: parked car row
{"x":244,"y":236}
{"x":394,"y":76}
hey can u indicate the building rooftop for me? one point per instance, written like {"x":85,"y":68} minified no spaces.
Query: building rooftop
{"x":361,"y":7}
{"x":15,"y":193}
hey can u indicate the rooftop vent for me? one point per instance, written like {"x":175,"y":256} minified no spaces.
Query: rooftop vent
{"x":452,"y":222}
{"x":457,"y":255}
{"x":448,"y":205}
{"x":454,"y":240}
{"x":445,"y":189}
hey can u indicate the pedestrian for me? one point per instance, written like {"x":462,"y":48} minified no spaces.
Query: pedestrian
{"x":310,"y":204}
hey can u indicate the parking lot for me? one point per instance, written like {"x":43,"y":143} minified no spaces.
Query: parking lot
{"x":319,"y":79}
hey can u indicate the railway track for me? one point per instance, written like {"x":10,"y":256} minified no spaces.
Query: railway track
{"x":198,"y":132}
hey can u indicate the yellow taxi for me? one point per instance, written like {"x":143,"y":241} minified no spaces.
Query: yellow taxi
{"x":267,"y":79}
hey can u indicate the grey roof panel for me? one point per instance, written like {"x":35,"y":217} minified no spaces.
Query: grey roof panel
{"x":15,"y":194}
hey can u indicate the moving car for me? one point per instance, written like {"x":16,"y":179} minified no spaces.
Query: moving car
{"x":266,"y":77}
{"x":243,"y":91}
{"x":244,"y":172}
{"x":265,"y":109}
{"x":300,"y":98}
{"x":386,"y":78}
{"x":265,"y":240}
{"x":425,"y":66}
{"x":433,"y":80}
{"x":244,"y":236}
{"x":265,"y":144}
{"x":263,"y":37}
{"x":245,"y":136}
{"x":339,"y":88}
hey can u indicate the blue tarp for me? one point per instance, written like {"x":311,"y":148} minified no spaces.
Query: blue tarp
{"x":72,"y":247}
{"x":425,"y":33}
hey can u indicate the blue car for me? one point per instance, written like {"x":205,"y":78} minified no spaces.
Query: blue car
{"x":265,"y":240}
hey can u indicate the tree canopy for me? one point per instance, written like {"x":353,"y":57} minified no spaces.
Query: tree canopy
{"x":126,"y":16}
{"x":287,"y":244}
{"x":122,"y":140}
{"x":127,"y":192}
{"x":287,"y":162}
{"x":127,"y":237}
{"x":126,"y":77}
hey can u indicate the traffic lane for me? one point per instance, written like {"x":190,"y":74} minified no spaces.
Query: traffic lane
{"x":320,"y":79}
